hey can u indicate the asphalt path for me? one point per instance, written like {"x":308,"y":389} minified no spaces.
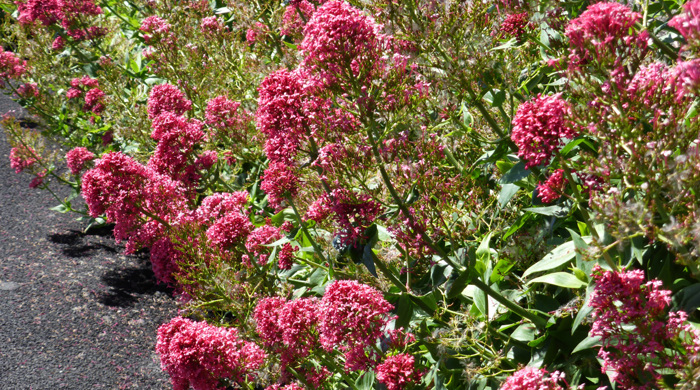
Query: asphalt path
{"x":75,"y":313}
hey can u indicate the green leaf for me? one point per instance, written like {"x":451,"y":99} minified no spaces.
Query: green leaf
{"x":556,"y":258}
{"x":467,"y":119}
{"x":286,"y":214}
{"x":556,"y":211}
{"x":516,"y":173}
{"x":587,"y":343}
{"x":368,"y":261}
{"x":459,"y":284}
{"x":61,"y":208}
{"x":481,"y":302}
{"x":571,"y":145}
{"x":366,"y":381}
{"x":510,"y":44}
{"x":519,"y":223}
{"x":506,"y":194}
{"x":581,"y":246}
{"x":524,"y":333}
{"x":561,"y":279}
{"x":404,"y":311}
{"x":501,"y":269}
{"x":584,"y":311}
{"x":290,"y":45}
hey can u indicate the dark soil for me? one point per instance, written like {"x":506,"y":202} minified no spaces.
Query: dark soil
{"x":75,"y":313}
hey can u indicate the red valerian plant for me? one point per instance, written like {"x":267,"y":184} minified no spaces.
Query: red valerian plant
{"x":383,"y":194}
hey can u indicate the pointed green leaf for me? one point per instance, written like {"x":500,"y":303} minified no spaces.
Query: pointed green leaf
{"x":561,"y":279}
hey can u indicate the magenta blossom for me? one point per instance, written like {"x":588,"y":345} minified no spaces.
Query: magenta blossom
{"x":197,"y":354}
{"x":22,"y":157}
{"x":531,"y":378}
{"x":398,"y":371}
{"x":553,"y":187}
{"x":167,"y":98}
{"x":539,"y":127}
{"x":78,"y":158}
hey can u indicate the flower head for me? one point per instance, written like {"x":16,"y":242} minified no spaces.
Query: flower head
{"x":339,"y":37}
{"x":552,"y":189}
{"x":94,"y":101}
{"x":531,"y":378}
{"x":22,"y":157}
{"x":77,"y":159}
{"x":601,"y":30}
{"x":230,"y":230}
{"x":279,"y":181}
{"x":154,"y":28}
{"x":28,"y":90}
{"x":538,"y":128}
{"x":515,"y":25}
{"x":197,"y":354}
{"x":398,"y":371}
{"x":11,"y":66}
{"x":630,"y":319}
{"x":688,"y":22}
{"x":352,"y":315}
{"x":166,"y":97}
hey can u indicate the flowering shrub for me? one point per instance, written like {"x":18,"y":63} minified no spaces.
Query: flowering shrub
{"x":382,"y":194}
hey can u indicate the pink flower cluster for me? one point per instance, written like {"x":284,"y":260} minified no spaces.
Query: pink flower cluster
{"x":283,"y":115}
{"x":128,"y":194}
{"x":279,"y":181}
{"x":538,"y":128}
{"x":531,"y":378}
{"x":199,"y":355}
{"x":166,"y":97}
{"x":649,"y":84}
{"x":688,"y":22}
{"x":339,"y":39}
{"x":353,"y":316}
{"x":601,"y":30}
{"x":230,"y":230}
{"x":66,"y":13}
{"x":254,"y":34}
{"x":11,"y":66}
{"x":164,"y":261}
{"x":226,"y":118}
{"x":156,"y":28}
{"x":216,"y":205}
{"x":398,"y":371}
{"x":28,"y":90}
{"x":78,"y":158}
{"x":94,"y":97}
{"x":349,"y":318}
{"x":553,"y":187}
{"x":288,"y":327}
{"x":630,"y":318}
{"x":515,"y":25}
{"x":292,"y":23}
{"x":211,"y":26}
{"x":177,"y":139}
{"x":22,"y":157}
